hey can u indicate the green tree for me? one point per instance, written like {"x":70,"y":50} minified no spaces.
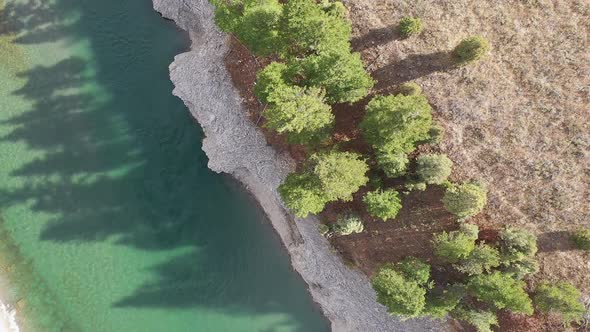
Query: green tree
{"x":396,"y":123}
{"x":400,"y":295}
{"x":339,"y":72}
{"x":348,"y":224}
{"x":383,"y":204}
{"x":409,"y":26}
{"x":456,"y":245}
{"x":392,"y":164}
{"x":272,"y":78}
{"x":440,"y":302}
{"x":298,"y":112}
{"x":524,"y":267}
{"x":482,"y":259}
{"x":471,"y":49}
{"x":582,"y":239}
{"x":309,"y":28}
{"x":481,"y":320}
{"x":341,"y":174}
{"x":254,"y":22}
{"x":465,"y":200}
{"x":561,"y":298}
{"x":303,"y":194}
{"x":434,"y":168}
{"x":517,"y":244}
{"x":414,"y":269}
{"x":501,"y":291}
{"x":436,"y":134}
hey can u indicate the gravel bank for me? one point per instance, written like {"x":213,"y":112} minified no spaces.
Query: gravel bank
{"x":235,"y":146}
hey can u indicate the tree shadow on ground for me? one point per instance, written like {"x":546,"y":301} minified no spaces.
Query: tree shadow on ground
{"x":376,"y":37}
{"x":121,"y":162}
{"x":412,"y":67}
{"x":555,"y":241}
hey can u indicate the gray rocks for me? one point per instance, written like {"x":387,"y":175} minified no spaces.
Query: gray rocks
{"x":235,"y":146}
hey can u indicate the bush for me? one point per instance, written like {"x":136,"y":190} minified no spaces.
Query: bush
{"x":517,"y":244}
{"x":323,"y":229}
{"x":309,"y":28}
{"x":527,"y":266}
{"x":471,"y":49}
{"x":561,"y":298}
{"x":340,"y":174}
{"x":400,"y":296}
{"x":465,"y":200}
{"x":409,"y":89}
{"x":396,"y":123}
{"x":501,"y":291}
{"x":383,"y":204}
{"x":392,"y":164}
{"x":349,"y":224}
{"x":582,"y":239}
{"x":414,"y":269}
{"x":409,"y":26}
{"x":434,"y":168}
{"x":339,"y":72}
{"x":456,"y":245}
{"x":412,"y":185}
{"x":482,"y":259}
{"x":302,"y":194}
{"x":272,"y":78}
{"x":298,"y":112}
{"x":481,"y":320}
{"x":436,"y":134}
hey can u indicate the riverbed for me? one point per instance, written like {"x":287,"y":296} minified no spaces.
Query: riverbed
{"x":111,"y":220}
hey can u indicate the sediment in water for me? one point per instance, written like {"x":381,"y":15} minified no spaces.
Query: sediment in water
{"x":234,"y":145}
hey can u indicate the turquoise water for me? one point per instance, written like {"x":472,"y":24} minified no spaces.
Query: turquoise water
{"x":110,"y":219}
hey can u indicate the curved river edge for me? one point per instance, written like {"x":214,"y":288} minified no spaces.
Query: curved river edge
{"x":235,"y":146}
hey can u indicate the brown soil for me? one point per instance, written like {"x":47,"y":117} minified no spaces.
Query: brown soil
{"x":519,"y":120}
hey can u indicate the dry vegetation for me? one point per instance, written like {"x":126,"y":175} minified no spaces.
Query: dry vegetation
{"x":519,"y":119}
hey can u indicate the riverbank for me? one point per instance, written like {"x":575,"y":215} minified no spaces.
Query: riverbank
{"x":235,"y":146}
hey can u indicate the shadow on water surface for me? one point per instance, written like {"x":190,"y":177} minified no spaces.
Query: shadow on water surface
{"x":122,"y":163}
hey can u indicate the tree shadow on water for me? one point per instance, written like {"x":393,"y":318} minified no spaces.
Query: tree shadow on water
{"x":121,"y":163}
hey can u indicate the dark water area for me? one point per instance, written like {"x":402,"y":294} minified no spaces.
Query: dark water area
{"x":105,"y":192}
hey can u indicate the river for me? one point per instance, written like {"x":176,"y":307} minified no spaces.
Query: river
{"x":109,"y":218}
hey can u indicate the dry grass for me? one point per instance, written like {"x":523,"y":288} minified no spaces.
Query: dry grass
{"x":519,"y":119}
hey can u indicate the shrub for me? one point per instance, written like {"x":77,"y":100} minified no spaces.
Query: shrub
{"x":582,"y":239}
{"x":436,"y":134}
{"x":323,"y":229}
{"x":481,"y":320}
{"x":414,"y":269}
{"x":502,"y":291}
{"x":561,"y":298}
{"x":524,"y":267}
{"x":298,"y":112}
{"x":339,"y":72}
{"x":341,"y":174}
{"x":302,"y":194}
{"x":456,"y":245}
{"x":400,"y":296}
{"x":308,"y":28}
{"x":441,"y":302}
{"x":409,"y":26}
{"x":409,"y":89}
{"x":482,"y":259}
{"x":349,"y":224}
{"x":412,"y":185}
{"x":434,"y":168}
{"x":271,"y":78}
{"x":465,"y":200}
{"x":517,"y":244}
{"x":392,"y":164}
{"x":383,"y":204}
{"x":396,"y":123}
{"x":471,"y":49}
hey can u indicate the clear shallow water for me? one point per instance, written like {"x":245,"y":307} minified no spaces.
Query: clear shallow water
{"x":110,"y":219}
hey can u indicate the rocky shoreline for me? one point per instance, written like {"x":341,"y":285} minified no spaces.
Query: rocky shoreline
{"x":235,"y":146}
